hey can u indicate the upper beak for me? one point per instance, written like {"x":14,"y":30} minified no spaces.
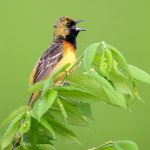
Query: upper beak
{"x":80,"y":29}
{"x":78,"y":21}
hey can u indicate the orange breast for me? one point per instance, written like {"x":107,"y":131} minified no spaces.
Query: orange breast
{"x":69,"y":56}
{"x":68,"y":47}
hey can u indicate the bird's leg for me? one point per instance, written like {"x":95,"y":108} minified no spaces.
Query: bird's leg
{"x":63,"y":82}
{"x":66,"y":84}
{"x":66,"y":73}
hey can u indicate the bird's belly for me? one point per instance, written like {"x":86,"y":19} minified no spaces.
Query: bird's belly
{"x":68,"y":57}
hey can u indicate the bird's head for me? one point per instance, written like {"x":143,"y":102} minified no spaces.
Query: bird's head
{"x":65,"y":27}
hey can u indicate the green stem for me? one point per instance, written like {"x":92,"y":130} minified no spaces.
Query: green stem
{"x":72,"y":67}
{"x":110,"y":143}
{"x":79,"y":59}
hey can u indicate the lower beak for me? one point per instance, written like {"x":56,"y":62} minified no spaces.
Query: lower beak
{"x":80,"y":29}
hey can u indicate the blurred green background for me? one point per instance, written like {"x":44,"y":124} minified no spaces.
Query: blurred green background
{"x":25,"y":32}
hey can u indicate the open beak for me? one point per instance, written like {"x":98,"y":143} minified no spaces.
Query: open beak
{"x":80,"y":29}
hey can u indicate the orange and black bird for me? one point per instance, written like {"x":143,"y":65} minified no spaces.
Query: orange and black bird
{"x":61,"y":51}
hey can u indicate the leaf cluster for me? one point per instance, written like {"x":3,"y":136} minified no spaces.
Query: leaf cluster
{"x":102,"y":74}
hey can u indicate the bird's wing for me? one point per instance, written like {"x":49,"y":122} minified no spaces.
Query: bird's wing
{"x":46,"y":63}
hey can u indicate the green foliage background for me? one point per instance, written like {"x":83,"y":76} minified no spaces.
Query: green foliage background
{"x":25,"y":29}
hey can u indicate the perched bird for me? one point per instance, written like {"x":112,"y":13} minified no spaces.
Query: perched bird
{"x":61,"y":51}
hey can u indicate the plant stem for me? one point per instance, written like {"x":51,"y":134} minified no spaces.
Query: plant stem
{"x":110,"y":143}
{"x":79,"y":59}
{"x":72,"y":67}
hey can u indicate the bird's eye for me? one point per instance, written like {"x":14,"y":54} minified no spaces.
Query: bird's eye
{"x":69,"y":25}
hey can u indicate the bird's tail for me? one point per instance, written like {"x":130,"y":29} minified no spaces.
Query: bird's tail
{"x":30,"y":99}
{"x":33,"y":98}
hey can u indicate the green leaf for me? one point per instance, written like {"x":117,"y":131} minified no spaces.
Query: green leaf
{"x":44,"y":122}
{"x":57,"y":115}
{"x":116,"y":70}
{"x":36,"y":87}
{"x":34,"y":132}
{"x":139,"y":74}
{"x":25,"y":126}
{"x":106,"y":148}
{"x":63,"y":133}
{"x":44,"y":136}
{"x":135,"y":92}
{"x":119,"y":58}
{"x":38,"y":147}
{"x":51,"y":79}
{"x":12,"y":130}
{"x":125,"y":145}
{"x":96,"y":62}
{"x":115,"y":98}
{"x":42,"y":105}
{"x":14,"y":114}
{"x":85,"y":109}
{"x":84,"y":82}
{"x":45,"y":147}
{"x":89,"y":55}
{"x":121,"y":83}
{"x":73,"y":116}
{"x":62,"y":108}
{"x":73,"y":94}
{"x":106,"y":61}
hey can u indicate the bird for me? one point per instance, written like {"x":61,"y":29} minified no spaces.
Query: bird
{"x":61,"y":51}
